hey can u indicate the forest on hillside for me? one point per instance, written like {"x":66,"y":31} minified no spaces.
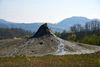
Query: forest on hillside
{"x":89,"y":33}
{"x":9,"y":33}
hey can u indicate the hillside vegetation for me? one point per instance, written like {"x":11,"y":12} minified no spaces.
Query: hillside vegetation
{"x":8,"y":33}
{"x":89,"y":33}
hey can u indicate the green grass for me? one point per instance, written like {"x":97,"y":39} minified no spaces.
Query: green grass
{"x":94,"y":40}
{"x":88,"y":60}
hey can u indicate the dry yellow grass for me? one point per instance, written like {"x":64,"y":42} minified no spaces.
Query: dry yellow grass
{"x":91,"y":60}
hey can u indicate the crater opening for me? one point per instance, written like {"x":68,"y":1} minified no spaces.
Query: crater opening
{"x":40,"y":43}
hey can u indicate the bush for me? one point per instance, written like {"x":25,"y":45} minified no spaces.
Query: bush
{"x":95,"y":40}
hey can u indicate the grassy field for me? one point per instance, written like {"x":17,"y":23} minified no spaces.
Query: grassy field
{"x":89,"y":60}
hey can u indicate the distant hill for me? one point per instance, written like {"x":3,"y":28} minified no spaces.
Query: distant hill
{"x":68,"y":22}
{"x":27,"y":26}
{"x":59,"y":27}
{"x":30,"y":27}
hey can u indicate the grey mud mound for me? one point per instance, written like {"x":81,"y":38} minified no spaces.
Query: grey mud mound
{"x":44,"y":42}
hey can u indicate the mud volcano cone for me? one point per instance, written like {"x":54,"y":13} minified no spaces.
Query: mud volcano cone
{"x":43,"y":42}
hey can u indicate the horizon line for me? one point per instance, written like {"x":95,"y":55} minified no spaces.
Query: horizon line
{"x":46,"y":21}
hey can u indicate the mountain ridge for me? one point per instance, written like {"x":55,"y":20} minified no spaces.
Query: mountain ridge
{"x":58,"y":27}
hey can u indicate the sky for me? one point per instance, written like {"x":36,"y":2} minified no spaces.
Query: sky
{"x":27,"y":11}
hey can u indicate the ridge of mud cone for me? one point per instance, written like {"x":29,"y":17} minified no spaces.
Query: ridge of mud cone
{"x":43,"y":30}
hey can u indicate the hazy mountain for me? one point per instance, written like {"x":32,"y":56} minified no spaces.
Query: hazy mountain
{"x":68,"y":22}
{"x":3,"y":24}
{"x":59,"y":27}
{"x":27,"y":26}
{"x":31,"y":27}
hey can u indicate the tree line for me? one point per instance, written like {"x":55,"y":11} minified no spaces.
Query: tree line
{"x":8,"y":33}
{"x":88,"y":33}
